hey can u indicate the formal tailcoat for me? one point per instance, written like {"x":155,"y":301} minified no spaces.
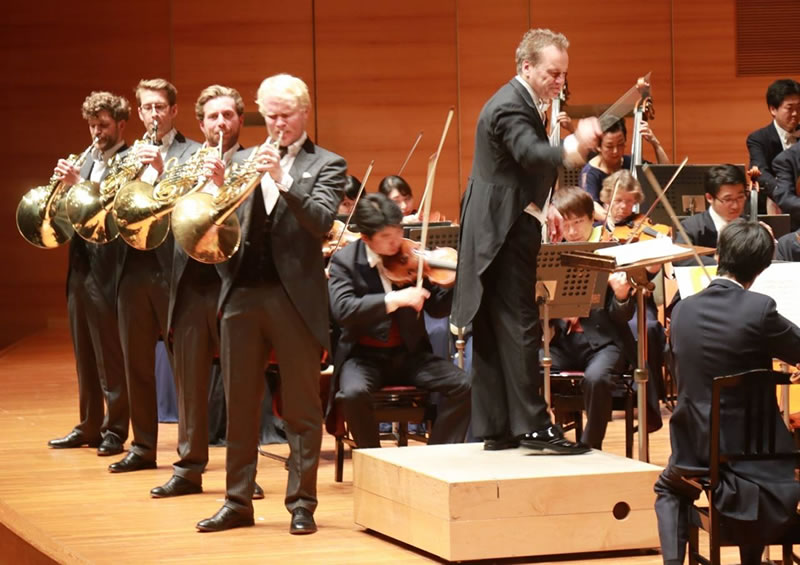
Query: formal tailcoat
{"x":787,"y":172}
{"x":513,"y":166}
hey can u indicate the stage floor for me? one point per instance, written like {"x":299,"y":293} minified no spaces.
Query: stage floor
{"x":70,"y":509}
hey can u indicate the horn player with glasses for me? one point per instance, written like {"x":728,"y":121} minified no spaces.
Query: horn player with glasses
{"x":274,"y":298}
{"x":142,"y":288}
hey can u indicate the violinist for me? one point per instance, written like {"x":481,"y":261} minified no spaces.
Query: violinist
{"x":725,"y":199}
{"x":600,"y":344}
{"x":399,"y":191}
{"x":611,"y":158}
{"x":764,"y":144}
{"x":351,"y":186}
{"x":628,"y":194}
{"x":383,"y":340}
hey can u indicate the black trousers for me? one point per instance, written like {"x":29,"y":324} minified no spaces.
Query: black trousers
{"x":370,"y":368}
{"x":574,"y":353}
{"x":256,"y":320}
{"x":98,"y":359}
{"x":674,"y":498}
{"x":195,"y":341}
{"x":142,"y":302}
{"x":506,"y":382}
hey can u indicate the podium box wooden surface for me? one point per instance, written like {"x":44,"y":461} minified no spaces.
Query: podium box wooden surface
{"x":461,"y":503}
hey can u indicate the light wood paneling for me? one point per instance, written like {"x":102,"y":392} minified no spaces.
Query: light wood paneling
{"x":487,"y":40}
{"x":385,"y":71}
{"x":53,"y":55}
{"x":239,"y":48}
{"x":716,"y":110}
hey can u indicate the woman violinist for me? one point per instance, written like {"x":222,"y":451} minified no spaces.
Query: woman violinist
{"x":628,"y":225}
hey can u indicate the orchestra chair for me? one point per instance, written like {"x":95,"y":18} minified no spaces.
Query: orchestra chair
{"x":759,"y":424}
{"x":566,"y":400}
{"x":397,"y":404}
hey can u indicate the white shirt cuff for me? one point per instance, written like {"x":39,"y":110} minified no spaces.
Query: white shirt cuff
{"x":150,"y":175}
{"x":572,"y":154}
{"x":390,"y":299}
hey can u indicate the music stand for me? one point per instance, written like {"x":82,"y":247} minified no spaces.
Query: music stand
{"x":637,"y":276}
{"x":565,"y":291}
{"x":440,"y":234}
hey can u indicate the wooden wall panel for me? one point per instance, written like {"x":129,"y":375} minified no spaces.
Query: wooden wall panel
{"x":487,"y":41}
{"x":385,"y":71}
{"x":53,"y":54}
{"x":239,"y":48}
{"x":716,"y":110}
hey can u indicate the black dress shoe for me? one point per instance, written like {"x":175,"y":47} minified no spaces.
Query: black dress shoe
{"x":72,"y":439}
{"x":111,"y":445}
{"x":258,"y":492}
{"x":225,"y":519}
{"x":302,"y":522}
{"x":131,"y":462}
{"x":551,"y":441}
{"x":500,"y":442}
{"x":176,"y":486}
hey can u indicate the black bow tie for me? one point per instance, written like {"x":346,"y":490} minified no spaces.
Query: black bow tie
{"x":283,"y":150}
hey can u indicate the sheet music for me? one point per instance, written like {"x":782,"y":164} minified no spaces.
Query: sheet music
{"x":642,"y":250}
{"x":779,"y":281}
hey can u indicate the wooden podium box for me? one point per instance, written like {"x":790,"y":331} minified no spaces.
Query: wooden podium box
{"x":461,"y":503}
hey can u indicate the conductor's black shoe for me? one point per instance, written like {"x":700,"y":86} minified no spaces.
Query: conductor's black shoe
{"x":500,"y":442}
{"x":225,"y":519}
{"x":176,"y":486}
{"x":111,"y":445}
{"x":258,"y":492}
{"x":72,"y":439}
{"x":551,"y":441}
{"x":131,"y":462}
{"x":302,"y":522}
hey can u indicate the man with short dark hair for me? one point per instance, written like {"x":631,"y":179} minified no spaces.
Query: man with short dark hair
{"x":723,"y":330}
{"x":384,"y":341}
{"x":763,"y":145}
{"x":90,"y":296}
{"x":725,"y":200}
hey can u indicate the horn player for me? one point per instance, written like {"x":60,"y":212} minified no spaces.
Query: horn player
{"x":274,"y":297}
{"x":90,"y":296}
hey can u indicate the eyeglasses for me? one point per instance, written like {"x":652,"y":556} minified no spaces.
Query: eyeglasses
{"x":154,"y":108}
{"x":730,"y":201}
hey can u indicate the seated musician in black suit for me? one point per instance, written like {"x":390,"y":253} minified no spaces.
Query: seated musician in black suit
{"x":600,"y":344}
{"x":383,"y":340}
{"x":764,"y":144}
{"x":788,"y":247}
{"x":725,"y":199}
{"x":723,"y":330}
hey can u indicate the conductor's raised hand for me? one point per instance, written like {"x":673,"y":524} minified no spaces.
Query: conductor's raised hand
{"x":588,"y":133}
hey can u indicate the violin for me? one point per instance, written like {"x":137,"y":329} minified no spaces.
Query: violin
{"x":339,"y":229}
{"x":640,"y":228}
{"x":439,"y":265}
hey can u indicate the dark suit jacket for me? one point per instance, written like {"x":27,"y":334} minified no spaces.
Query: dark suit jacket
{"x":357,"y":305}
{"x":302,"y":217}
{"x":787,"y":170}
{"x":181,"y":148}
{"x":702,"y":232}
{"x":179,"y":261}
{"x":763,"y":145}
{"x":788,"y":248}
{"x":723,"y":330}
{"x":513,"y":166}
{"x":606,"y":325}
{"x":101,"y":260}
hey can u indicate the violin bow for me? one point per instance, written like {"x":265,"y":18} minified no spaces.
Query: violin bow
{"x":609,"y":223}
{"x":353,"y":209}
{"x":635,"y":232}
{"x":672,"y":216}
{"x":428,"y":194}
{"x":410,"y":153}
